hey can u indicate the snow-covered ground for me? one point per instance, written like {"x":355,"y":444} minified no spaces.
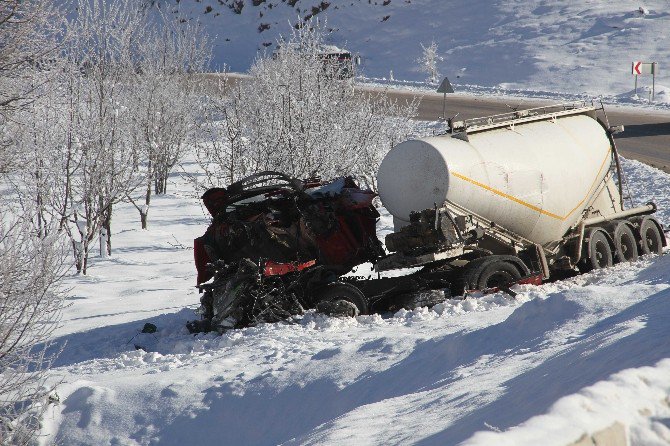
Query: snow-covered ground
{"x":544,"y":367}
{"x":572,"y":47}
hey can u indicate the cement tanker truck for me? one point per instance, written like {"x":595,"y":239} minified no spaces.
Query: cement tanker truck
{"x":520,"y":197}
{"x":525,"y":195}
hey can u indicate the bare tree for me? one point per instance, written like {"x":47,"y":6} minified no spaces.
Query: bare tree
{"x":30,"y":304}
{"x":165,"y":107}
{"x":297,"y":115}
{"x":428,"y":61}
{"x":29,"y":38}
{"x":95,"y":150}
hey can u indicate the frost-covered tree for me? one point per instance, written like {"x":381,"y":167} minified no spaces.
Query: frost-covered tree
{"x":75,"y":148}
{"x":51,"y":185}
{"x":103,"y":41}
{"x":428,"y":61}
{"x":165,"y":107}
{"x":222,"y":149}
{"x":38,"y":136}
{"x":117,"y":117}
{"x":29,"y":40}
{"x":296,"y":115}
{"x":30,"y":304}
{"x":29,"y":31}
{"x":31,"y":266}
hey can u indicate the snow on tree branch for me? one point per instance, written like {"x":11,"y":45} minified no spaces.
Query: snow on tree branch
{"x":428,"y":61}
{"x":30,"y":305}
{"x":295,"y":114}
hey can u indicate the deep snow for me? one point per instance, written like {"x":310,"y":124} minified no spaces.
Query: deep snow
{"x":556,"y":361}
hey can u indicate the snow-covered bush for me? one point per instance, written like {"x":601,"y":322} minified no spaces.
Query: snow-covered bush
{"x":428,"y":61}
{"x":297,"y":116}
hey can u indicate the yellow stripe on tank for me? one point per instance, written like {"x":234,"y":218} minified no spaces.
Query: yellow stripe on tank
{"x":528,"y":205}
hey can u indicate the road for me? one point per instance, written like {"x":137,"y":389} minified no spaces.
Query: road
{"x":646,"y":137}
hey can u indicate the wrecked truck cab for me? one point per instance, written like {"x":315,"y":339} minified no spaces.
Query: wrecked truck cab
{"x":270,"y":216}
{"x":274,"y":235}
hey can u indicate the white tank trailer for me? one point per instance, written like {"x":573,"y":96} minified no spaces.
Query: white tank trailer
{"x":520,"y":196}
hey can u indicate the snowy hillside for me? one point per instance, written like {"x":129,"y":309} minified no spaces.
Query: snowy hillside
{"x":549,"y":45}
{"x":542,"y":368}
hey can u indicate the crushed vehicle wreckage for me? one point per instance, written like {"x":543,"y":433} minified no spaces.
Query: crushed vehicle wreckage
{"x":478,"y":208}
{"x":278,"y":246}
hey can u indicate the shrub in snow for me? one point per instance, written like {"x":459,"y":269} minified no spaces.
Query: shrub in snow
{"x":297,"y":116}
{"x":428,"y":61}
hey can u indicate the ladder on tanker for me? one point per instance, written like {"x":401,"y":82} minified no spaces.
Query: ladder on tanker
{"x":510,"y":119}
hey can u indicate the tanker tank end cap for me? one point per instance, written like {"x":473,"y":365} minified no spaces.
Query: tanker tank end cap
{"x":616,"y":129}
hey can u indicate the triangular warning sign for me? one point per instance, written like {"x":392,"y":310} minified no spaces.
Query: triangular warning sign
{"x":445,"y":87}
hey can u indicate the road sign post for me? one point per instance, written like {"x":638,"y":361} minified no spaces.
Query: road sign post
{"x":653,"y":81}
{"x":444,"y":88}
{"x":641,"y":68}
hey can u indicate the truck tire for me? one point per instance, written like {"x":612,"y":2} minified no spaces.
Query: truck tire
{"x":651,"y":240}
{"x":598,"y":252}
{"x":341,"y":295}
{"x":492,"y":272}
{"x":625,"y":243}
{"x":410,"y":301}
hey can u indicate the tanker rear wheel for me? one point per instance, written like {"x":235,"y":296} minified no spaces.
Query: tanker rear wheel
{"x":599,"y":252}
{"x":650,"y":237}
{"x":625,"y":243}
